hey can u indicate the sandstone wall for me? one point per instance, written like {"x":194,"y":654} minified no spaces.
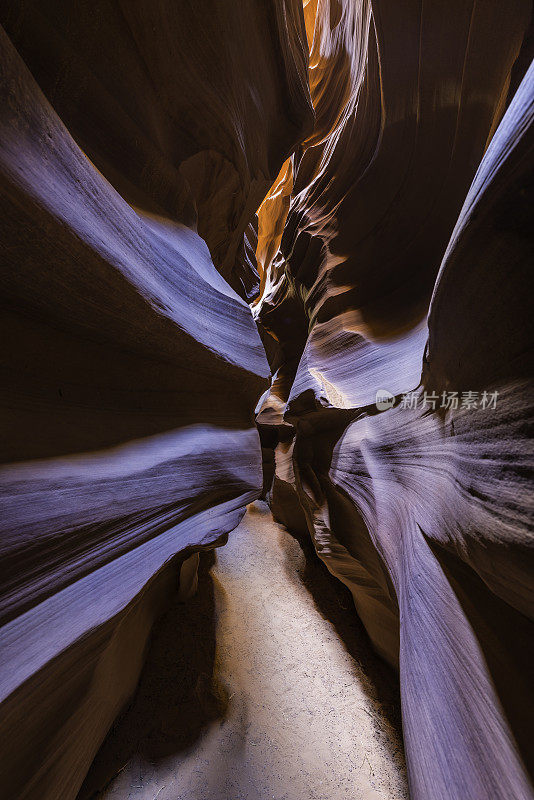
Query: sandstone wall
{"x":422,"y":508}
{"x":136,"y":142}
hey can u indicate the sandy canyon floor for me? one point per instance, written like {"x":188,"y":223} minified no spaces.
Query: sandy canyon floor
{"x":262,"y":686}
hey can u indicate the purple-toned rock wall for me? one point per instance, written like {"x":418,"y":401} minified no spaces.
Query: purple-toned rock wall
{"x":396,"y":300}
{"x":136,"y":143}
{"x":360,"y":171}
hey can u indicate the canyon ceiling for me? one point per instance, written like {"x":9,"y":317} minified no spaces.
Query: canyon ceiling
{"x":228,"y":228}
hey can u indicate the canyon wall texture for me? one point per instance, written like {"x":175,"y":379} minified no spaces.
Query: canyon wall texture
{"x":136,"y":142}
{"x":378,"y":285}
{"x":388,"y":149}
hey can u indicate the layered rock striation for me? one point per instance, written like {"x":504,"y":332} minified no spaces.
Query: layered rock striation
{"x":136,"y":143}
{"x":401,"y":400}
{"x":387,"y":149}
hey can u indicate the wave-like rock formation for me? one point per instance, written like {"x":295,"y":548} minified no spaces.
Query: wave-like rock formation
{"x":136,"y":142}
{"x":378,"y":285}
{"x":387,"y":149}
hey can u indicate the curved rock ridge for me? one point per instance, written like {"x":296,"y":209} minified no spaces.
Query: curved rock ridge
{"x":188,"y":108}
{"x":402,"y":396}
{"x":360,"y":171}
{"x":131,"y":372}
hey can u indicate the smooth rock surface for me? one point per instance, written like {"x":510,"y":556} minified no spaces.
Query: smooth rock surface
{"x":423,"y":509}
{"x":188,"y":108}
{"x":130,"y":371}
{"x":393,"y":257}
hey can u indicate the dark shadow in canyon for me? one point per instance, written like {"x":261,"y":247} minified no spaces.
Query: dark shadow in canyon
{"x":177,"y":696}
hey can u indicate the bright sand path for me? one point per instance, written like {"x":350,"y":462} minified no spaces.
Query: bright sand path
{"x":250,"y":691}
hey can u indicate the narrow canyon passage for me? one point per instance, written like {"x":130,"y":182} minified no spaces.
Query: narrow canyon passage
{"x":274,"y":250}
{"x":297,"y":707}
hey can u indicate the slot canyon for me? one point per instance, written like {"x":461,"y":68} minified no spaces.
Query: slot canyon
{"x":267,"y":462}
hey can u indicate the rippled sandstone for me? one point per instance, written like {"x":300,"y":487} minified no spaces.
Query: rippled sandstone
{"x":421,"y":506}
{"x":136,"y":143}
{"x":387,"y":149}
